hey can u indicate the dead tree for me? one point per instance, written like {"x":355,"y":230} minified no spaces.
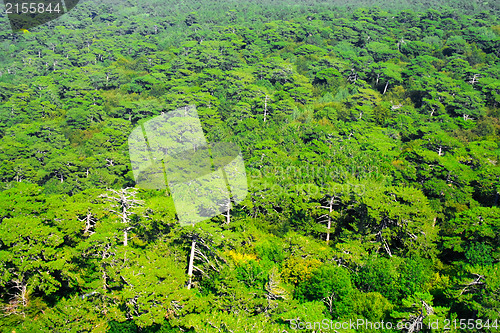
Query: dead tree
{"x":417,"y":320}
{"x":328,"y":217}
{"x":203,"y":254}
{"x":89,"y":221}
{"x":274,"y":290}
{"x":124,"y":204}
{"x":386,"y":86}
{"x":265,"y":107}
{"x":19,"y":296}
{"x":477,"y":282}
{"x":474,"y":79}
{"x":191,"y":264}
{"x":330,"y":301}
{"x":226,"y":206}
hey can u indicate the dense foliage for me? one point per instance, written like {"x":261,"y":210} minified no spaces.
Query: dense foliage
{"x":370,"y":137}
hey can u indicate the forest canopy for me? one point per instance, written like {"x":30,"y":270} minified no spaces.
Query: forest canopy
{"x":370,"y":133}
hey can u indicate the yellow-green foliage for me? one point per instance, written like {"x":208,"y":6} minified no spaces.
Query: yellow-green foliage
{"x":241,"y":258}
{"x":296,"y":270}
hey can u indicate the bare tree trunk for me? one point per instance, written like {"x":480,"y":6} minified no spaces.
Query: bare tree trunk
{"x":265,"y":107}
{"x":124,"y":221}
{"x":329,"y":301}
{"x":328,"y":217}
{"x":125,"y":202}
{"x":474,"y":79}
{"x":89,"y":223}
{"x":228,"y":213}
{"x":105,"y":280}
{"x":125,"y":237}
{"x":23,"y":295}
{"x":20,"y":299}
{"x":385,"y":89}
{"x":329,"y":221}
{"x":191,"y":264}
